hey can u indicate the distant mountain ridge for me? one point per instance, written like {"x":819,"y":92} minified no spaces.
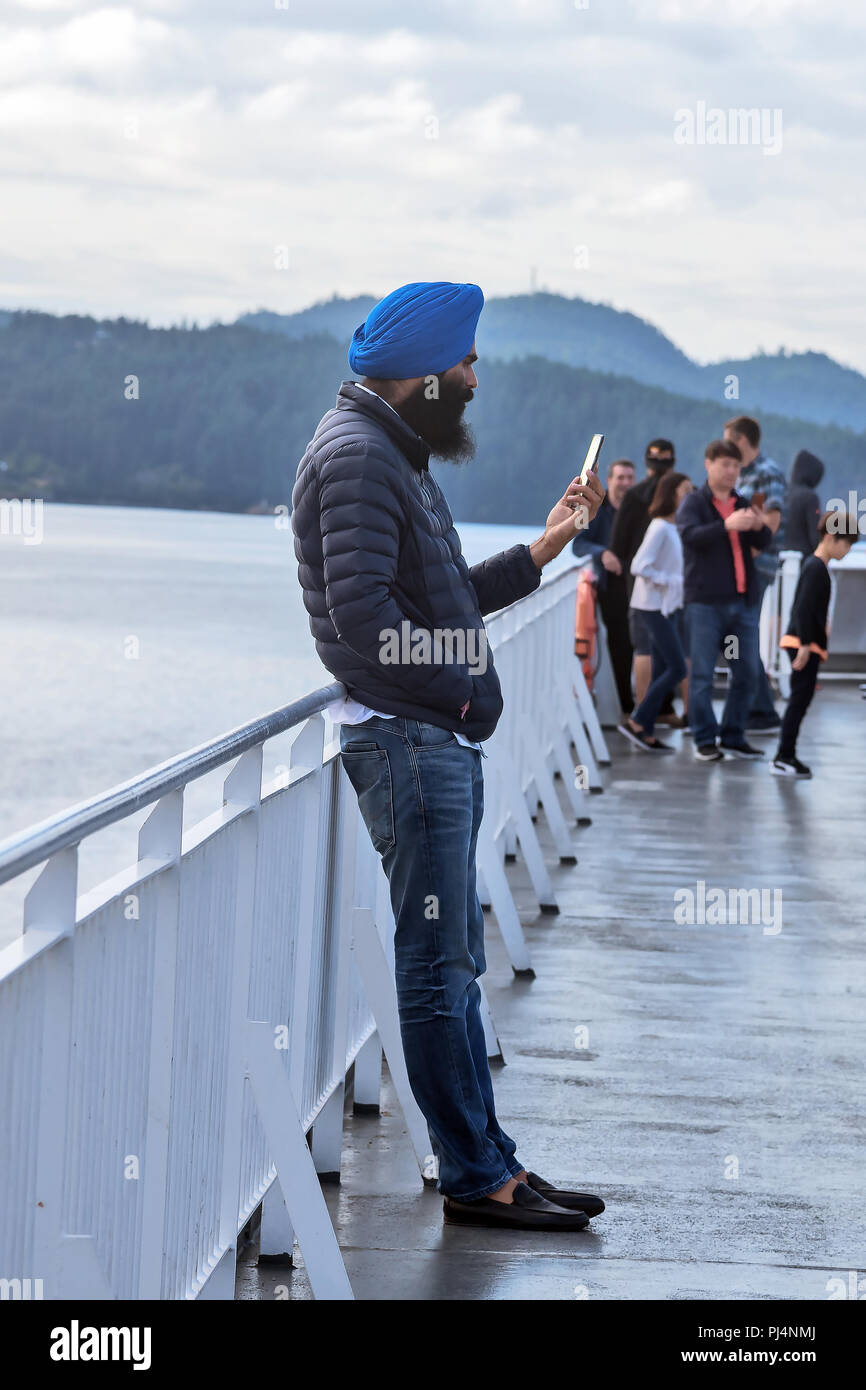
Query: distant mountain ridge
{"x":806,"y":385}
{"x":219,"y":418}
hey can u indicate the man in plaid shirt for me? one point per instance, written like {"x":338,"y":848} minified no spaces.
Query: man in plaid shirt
{"x":765,"y":477}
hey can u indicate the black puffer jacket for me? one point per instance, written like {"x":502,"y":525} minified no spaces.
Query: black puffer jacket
{"x":376,"y":548}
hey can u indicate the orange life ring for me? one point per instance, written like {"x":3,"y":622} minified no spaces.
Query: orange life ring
{"x":585,"y":626}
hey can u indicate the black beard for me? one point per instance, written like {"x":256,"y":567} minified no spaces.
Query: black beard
{"x":439,"y":421}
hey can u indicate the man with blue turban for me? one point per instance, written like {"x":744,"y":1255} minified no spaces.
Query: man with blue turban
{"x":398,"y":617}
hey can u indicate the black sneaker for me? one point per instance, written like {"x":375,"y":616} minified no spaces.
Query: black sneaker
{"x":789,"y":767}
{"x":709,"y":753}
{"x":640,"y":740}
{"x":742,"y":750}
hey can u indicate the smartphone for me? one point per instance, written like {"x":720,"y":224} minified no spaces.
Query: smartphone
{"x":758,"y":500}
{"x":590,"y":463}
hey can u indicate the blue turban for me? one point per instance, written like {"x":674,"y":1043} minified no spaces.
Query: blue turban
{"x":418,"y":330}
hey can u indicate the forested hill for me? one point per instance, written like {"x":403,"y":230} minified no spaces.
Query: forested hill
{"x":808,"y":385}
{"x":223,"y":415}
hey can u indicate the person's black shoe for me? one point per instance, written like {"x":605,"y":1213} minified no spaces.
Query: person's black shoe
{"x":741,"y":750}
{"x":789,"y":767}
{"x":528,"y":1211}
{"x":709,"y":753}
{"x":563,"y":1197}
{"x":642,"y":740}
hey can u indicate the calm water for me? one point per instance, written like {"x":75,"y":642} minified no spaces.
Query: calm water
{"x":131,"y":635}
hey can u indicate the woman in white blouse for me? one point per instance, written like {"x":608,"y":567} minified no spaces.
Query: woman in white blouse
{"x":658,"y":592}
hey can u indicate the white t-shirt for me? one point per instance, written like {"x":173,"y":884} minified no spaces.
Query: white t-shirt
{"x":658,"y":569}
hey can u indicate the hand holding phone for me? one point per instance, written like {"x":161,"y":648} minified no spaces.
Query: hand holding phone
{"x":590,"y":463}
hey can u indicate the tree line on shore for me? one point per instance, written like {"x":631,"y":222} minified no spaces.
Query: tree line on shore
{"x":116,"y":412}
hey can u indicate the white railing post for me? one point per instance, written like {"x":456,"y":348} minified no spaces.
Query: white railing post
{"x":328,"y":1125}
{"x":789,"y":573}
{"x":282,"y":1124}
{"x":276,"y":1236}
{"x":67,"y":1264}
{"x":381,"y":995}
{"x":241,"y":792}
{"x":367,"y":1077}
{"x":160,"y":839}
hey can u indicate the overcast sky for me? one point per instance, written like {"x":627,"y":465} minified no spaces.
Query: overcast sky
{"x":155,"y":157}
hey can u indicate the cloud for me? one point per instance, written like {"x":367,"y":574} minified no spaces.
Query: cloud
{"x":155,"y":157}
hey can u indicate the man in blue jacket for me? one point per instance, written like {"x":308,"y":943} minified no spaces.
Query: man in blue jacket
{"x":721,"y":591}
{"x":397,"y":616}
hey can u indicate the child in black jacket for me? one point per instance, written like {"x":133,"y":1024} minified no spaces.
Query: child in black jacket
{"x":806,"y":637}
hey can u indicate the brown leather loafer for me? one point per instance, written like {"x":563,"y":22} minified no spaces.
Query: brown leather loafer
{"x":562,"y":1197}
{"x":528,"y":1211}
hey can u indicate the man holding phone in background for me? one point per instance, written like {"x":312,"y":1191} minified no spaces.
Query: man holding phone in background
{"x":761,"y":481}
{"x":720,"y":532}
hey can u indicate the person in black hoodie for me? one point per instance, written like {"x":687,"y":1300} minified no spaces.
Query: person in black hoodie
{"x":805,"y":638}
{"x":803,"y":504}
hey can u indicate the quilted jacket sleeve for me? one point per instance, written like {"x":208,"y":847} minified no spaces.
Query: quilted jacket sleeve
{"x":504,"y":578}
{"x":362,"y":510}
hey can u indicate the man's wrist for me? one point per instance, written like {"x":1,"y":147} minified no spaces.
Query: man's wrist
{"x":543,"y":551}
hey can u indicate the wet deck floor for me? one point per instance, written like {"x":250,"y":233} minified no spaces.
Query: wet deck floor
{"x":718,"y":1104}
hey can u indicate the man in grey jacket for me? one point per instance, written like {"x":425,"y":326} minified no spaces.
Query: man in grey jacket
{"x":398,"y":617}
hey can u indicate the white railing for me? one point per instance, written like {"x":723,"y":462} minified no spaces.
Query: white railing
{"x":775,"y":611}
{"x":171,"y":1038}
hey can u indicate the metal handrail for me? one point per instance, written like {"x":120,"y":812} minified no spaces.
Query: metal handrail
{"x":36,"y":844}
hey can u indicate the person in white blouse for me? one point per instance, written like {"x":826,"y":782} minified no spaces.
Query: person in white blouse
{"x":658,"y":593}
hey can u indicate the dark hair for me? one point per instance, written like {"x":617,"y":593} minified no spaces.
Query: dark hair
{"x":722,"y":449}
{"x":619,"y":463}
{"x":660,"y":444}
{"x":747,"y":427}
{"x":664,"y":498}
{"x":849,"y":529}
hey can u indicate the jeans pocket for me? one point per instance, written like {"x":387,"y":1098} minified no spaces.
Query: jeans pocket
{"x":433,"y":735}
{"x":369,"y":772}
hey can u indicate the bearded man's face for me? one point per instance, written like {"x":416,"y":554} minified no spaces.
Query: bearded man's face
{"x":434,"y":410}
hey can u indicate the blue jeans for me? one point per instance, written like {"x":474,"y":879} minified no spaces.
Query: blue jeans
{"x":668,"y":668}
{"x":421,"y":795}
{"x":762,"y":700}
{"x":710,"y":625}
